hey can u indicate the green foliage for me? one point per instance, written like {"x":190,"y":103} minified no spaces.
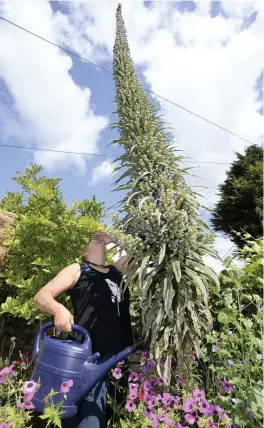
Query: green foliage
{"x":161,"y":214}
{"x":233,"y":350}
{"x":48,"y":235}
{"x":240,"y":207}
{"x":11,"y":396}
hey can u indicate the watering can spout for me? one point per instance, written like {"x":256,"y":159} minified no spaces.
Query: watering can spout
{"x":92,"y":373}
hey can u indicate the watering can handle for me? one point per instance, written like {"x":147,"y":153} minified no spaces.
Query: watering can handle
{"x":75,"y":327}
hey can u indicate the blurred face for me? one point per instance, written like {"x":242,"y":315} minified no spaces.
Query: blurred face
{"x":96,"y":249}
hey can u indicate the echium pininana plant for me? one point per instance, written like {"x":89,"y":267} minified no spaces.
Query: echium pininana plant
{"x":161,"y":215}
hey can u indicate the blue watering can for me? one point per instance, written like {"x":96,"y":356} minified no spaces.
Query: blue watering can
{"x":58,"y":361}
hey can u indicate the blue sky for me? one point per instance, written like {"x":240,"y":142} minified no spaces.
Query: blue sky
{"x":204,"y":56}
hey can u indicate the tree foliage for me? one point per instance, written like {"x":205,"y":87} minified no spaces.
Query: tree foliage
{"x":240,"y":207}
{"x":48,"y":235}
{"x":168,"y":239}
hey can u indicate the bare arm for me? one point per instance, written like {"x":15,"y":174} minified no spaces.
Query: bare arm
{"x":122,"y":264}
{"x":45,"y":299}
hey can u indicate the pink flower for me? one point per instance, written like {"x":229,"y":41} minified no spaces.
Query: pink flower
{"x":168,"y":422}
{"x":132,"y":395}
{"x":154,"y":420}
{"x":29,"y":387}
{"x":133,"y":387}
{"x":176,"y":401}
{"x":130,"y":406}
{"x":5,"y":425}
{"x":151,"y":402}
{"x":180,"y":379}
{"x":199,"y":395}
{"x":167,"y":399}
{"x":190,"y":418}
{"x":66,"y":386}
{"x":144,"y":355}
{"x":204,"y":407}
{"x":117,"y":373}
{"x":134,"y":376}
{"x":188,"y":405}
{"x":28,"y":406}
{"x":7,"y":371}
{"x":158,"y":397}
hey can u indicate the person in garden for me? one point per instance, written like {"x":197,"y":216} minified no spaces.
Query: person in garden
{"x":99,"y":306}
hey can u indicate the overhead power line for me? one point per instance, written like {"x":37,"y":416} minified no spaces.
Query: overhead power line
{"x":41,"y":149}
{"x":110,"y":72}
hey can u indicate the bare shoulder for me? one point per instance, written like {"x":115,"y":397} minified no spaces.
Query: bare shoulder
{"x":73,"y":271}
{"x":122,"y":264}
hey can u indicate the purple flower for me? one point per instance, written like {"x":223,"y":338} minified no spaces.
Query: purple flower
{"x":260,"y":309}
{"x":188,"y":405}
{"x":180,"y":379}
{"x":204,"y":407}
{"x":212,"y":425}
{"x":134,"y":376}
{"x":149,"y":411}
{"x":242,"y":306}
{"x":215,"y":348}
{"x":199,"y":395}
{"x":147,"y":385}
{"x":117,"y":373}
{"x":5,"y":425}
{"x":151,"y":364}
{"x":215,"y":410}
{"x":246,"y":362}
{"x":226,"y":386}
{"x":130,"y":406}
{"x":66,"y":386}
{"x":190,"y":418}
{"x":167,"y":399}
{"x":7,"y":371}
{"x":159,"y":381}
{"x":151,"y":402}
{"x":168,"y":422}
{"x":229,"y":363}
{"x":144,"y":355}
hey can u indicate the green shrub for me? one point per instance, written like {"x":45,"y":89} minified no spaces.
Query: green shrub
{"x":233,"y":351}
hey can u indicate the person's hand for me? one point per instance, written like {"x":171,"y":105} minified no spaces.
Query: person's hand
{"x":63,"y":319}
{"x":102,"y":236}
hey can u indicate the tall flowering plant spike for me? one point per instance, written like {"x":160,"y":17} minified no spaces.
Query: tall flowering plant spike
{"x":160,"y":214}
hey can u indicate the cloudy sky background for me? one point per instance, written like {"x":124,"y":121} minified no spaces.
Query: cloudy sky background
{"x":204,"y":56}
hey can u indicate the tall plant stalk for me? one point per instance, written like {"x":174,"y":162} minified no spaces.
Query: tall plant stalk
{"x":160,"y":213}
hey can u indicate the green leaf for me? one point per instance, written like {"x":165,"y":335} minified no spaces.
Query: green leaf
{"x":176,"y":266}
{"x":140,"y":205}
{"x":162,"y":253}
{"x":223,"y":318}
{"x":168,"y":294}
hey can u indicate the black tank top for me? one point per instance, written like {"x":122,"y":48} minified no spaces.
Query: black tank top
{"x":100,"y":308}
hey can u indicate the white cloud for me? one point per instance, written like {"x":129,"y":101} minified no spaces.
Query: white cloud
{"x":52,"y":110}
{"x":102,"y":172}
